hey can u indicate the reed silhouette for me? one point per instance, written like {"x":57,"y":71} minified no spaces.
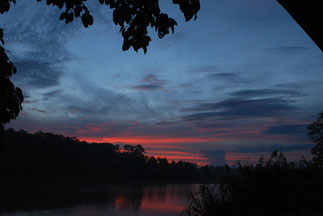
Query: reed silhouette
{"x":274,"y":187}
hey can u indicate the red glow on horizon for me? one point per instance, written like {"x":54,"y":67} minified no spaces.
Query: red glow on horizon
{"x":163,"y":152}
{"x":160,"y":145}
{"x":149,"y":139}
{"x":178,"y":157}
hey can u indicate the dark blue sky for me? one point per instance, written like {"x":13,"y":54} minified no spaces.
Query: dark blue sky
{"x":240,"y":81}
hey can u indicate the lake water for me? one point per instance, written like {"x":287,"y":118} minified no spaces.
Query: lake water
{"x":125,"y":200}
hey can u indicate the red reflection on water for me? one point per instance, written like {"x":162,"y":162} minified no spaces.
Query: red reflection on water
{"x":152,"y":200}
{"x":168,"y":207}
{"x":119,"y":202}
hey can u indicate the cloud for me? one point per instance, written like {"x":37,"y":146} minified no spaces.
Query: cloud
{"x":147,"y":87}
{"x":173,"y":40}
{"x":167,"y":123}
{"x":38,"y":110}
{"x":37,"y":73}
{"x":205,"y":125}
{"x":37,"y":47}
{"x":229,"y":77}
{"x":266,"y":92}
{"x":294,"y":129}
{"x":287,"y":85}
{"x":215,"y":157}
{"x":151,"y":83}
{"x":50,"y":94}
{"x":151,"y":78}
{"x":244,"y":104}
{"x":185,"y":85}
{"x":205,"y":68}
{"x":98,"y":104}
{"x":287,"y":49}
{"x":236,"y":108}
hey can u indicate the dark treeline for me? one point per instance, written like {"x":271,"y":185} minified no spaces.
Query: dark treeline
{"x":47,"y":171}
{"x":57,"y":157}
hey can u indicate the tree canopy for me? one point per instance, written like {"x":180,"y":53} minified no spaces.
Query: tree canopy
{"x":10,"y":97}
{"x":133,"y":17}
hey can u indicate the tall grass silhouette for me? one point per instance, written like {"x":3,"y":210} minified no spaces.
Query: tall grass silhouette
{"x":275,"y":187}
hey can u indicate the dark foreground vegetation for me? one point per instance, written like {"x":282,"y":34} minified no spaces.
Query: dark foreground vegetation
{"x":273,"y":188}
{"x":45,"y":171}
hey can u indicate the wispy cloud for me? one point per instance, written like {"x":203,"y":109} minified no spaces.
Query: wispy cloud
{"x":151,"y":82}
{"x":267,"y":92}
{"x":236,"y":108}
{"x":227,"y":77}
{"x":38,"y":110}
{"x":37,"y":48}
{"x":147,"y":87}
{"x":168,"y":123}
{"x":205,"y":68}
{"x":51,"y":94}
{"x":292,"y":129}
{"x":287,"y":49}
{"x":35,"y":73}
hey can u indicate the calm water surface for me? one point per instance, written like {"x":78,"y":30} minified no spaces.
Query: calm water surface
{"x":131,"y":200}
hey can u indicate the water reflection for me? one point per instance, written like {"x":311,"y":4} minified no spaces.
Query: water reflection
{"x":125,"y":200}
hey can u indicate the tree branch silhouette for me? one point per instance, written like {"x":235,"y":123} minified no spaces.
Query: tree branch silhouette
{"x":11,"y":98}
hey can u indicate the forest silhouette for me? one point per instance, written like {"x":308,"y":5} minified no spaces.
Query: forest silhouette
{"x":45,"y":170}
{"x":56,"y":156}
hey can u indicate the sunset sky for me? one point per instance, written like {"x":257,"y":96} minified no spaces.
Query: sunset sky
{"x":240,"y":81}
